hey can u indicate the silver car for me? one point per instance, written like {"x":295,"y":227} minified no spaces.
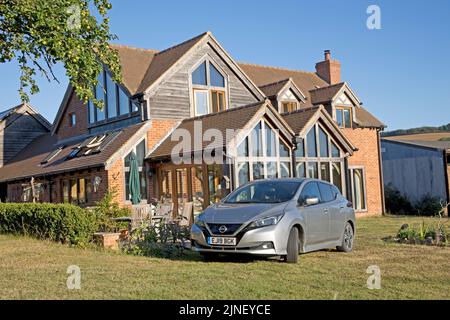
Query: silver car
{"x":276,"y":217}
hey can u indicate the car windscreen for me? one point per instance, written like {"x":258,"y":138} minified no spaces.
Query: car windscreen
{"x":265,"y":192}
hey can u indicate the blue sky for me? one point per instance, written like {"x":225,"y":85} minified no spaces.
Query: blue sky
{"x":401,"y":72}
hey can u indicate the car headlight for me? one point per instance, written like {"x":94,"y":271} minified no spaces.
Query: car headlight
{"x":264,"y":222}
{"x":200,"y":223}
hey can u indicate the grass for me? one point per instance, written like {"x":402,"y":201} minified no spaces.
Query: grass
{"x":33,"y":269}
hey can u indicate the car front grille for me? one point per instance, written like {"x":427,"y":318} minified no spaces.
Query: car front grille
{"x":230,"y":228}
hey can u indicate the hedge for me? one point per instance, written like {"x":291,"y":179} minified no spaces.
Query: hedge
{"x":63,"y":223}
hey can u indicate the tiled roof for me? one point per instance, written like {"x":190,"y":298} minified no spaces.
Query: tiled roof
{"x":28,"y":162}
{"x":298,"y":119}
{"x":235,"y":118}
{"x":24,"y":108}
{"x":263,"y":75}
{"x":325,"y":94}
{"x":365,"y":119}
{"x":441,"y":145}
{"x":272,"y":89}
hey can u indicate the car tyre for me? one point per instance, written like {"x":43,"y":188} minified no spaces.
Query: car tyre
{"x":347,"y":239}
{"x":292,"y":246}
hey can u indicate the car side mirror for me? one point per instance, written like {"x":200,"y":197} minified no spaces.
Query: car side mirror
{"x":311,"y":201}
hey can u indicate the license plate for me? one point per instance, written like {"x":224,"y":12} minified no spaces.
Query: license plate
{"x":222,"y":241}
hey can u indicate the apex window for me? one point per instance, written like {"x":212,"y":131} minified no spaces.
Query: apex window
{"x":209,"y":87}
{"x":288,"y":106}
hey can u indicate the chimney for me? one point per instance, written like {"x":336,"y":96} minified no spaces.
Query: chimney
{"x":329,"y":70}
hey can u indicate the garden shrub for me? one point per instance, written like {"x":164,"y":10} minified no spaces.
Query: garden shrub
{"x":106,"y":209}
{"x":162,"y":240}
{"x":63,"y":223}
{"x":397,"y":203}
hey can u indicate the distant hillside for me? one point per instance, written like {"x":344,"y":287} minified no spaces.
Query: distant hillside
{"x":419,"y":130}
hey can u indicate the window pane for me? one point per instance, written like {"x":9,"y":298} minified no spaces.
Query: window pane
{"x":66,"y":191}
{"x":300,"y":170}
{"x":221,"y":96}
{"x":323,"y":143}
{"x":217,"y":80}
{"x":140,"y":153}
{"x":359,"y":192}
{"x":199,"y":75}
{"x":312,"y":170}
{"x":311,"y":190}
{"x":243,"y":148}
{"x":74,"y":191}
{"x":284,"y":150}
{"x":335,"y":153}
{"x":270,"y":142}
{"x":88,"y":190}
{"x":339,"y":118}
{"x":214,"y":102}
{"x":337,"y":177}
{"x":134,"y":107}
{"x":257,"y":150}
{"x":325,"y":171}
{"x":326,"y":192}
{"x":258,"y":170}
{"x":100,"y":95}
{"x":166,"y":186}
{"x":285,"y":169}
{"x":127,"y":185}
{"x":127,"y":160}
{"x":348,"y":123}
{"x":201,"y":102}
{"x":91,"y":108}
{"x":111,"y":97}
{"x":124,"y":102}
{"x":272,"y":170}
{"x":81,"y":191}
{"x":300,"y":151}
{"x":143,"y":183}
{"x":243,"y":173}
{"x":311,"y":142}
{"x":198,"y":196}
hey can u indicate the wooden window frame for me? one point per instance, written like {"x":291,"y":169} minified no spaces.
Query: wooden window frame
{"x":291,"y":106}
{"x":72,"y":119}
{"x":344,"y":124}
{"x":220,"y":93}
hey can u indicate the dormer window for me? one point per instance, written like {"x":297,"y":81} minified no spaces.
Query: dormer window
{"x":209,"y":89}
{"x":344,"y":117}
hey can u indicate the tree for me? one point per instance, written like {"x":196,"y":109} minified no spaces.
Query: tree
{"x":38,"y":34}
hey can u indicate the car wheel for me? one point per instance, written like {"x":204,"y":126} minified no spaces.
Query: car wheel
{"x":292,"y":246}
{"x":347,"y":239}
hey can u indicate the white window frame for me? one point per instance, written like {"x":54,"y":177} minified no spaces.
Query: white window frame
{"x":195,"y":87}
{"x":351,"y":170}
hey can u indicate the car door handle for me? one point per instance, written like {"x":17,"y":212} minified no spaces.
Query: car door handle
{"x":325,"y":211}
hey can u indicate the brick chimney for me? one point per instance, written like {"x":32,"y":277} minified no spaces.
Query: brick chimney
{"x":329,"y":70}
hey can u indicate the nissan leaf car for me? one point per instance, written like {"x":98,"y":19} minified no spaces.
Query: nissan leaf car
{"x":276,"y":218}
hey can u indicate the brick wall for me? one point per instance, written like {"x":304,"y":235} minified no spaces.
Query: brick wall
{"x":76,"y":106}
{"x":116,"y":181}
{"x":159,"y":130}
{"x":366,"y":140}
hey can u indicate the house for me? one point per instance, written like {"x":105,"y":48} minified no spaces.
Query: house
{"x":19,"y":126}
{"x":417,"y":168}
{"x":178,"y":105}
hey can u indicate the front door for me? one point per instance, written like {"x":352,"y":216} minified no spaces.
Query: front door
{"x":317,"y":215}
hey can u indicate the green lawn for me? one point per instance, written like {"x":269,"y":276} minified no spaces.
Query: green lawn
{"x":32,"y":269}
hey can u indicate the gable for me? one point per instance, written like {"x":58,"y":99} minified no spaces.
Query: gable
{"x":343,"y":99}
{"x":173,"y":97}
{"x":288,"y":95}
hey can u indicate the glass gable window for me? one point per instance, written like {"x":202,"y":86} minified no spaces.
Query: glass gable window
{"x":209,"y":89}
{"x":116,"y":101}
{"x":320,"y":157}
{"x":262,"y":154}
{"x":357,"y":178}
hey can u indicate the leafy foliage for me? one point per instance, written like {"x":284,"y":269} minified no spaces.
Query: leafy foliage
{"x":106,"y":209}
{"x":41,"y":33}
{"x":435,"y":233}
{"x":398,"y":203}
{"x":63,"y":223}
{"x":161,"y":240}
